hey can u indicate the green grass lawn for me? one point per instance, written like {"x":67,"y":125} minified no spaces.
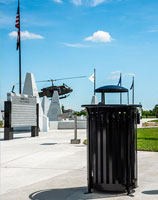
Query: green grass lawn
{"x":148,"y":116}
{"x":153,"y":121}
{"x":147,"y":139}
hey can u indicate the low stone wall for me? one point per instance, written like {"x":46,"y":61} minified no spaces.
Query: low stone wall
{"x":54,"y":125}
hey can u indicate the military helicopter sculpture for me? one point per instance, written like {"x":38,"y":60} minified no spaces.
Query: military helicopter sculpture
{"x":63,"y":89}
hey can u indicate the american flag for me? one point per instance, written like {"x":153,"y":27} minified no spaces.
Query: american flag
{"x":17,"y":25}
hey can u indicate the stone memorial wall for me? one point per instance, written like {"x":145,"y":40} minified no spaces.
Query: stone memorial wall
{"x":23,"y":110}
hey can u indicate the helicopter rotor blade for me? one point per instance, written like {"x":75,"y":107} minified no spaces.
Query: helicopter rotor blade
{"x":45,"y":81}
{"x":52,"y":80}
{"x":69,"y":78}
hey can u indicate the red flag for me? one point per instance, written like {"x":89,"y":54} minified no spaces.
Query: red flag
{"x":17,"y":25}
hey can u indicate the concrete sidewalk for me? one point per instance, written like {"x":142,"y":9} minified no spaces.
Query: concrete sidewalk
{"x":50,"y":168}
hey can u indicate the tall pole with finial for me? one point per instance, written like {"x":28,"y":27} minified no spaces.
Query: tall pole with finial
{"x":133,"y":92}
{"x":19,"y":53}
{"x":17,"y":25}
{"x":121,"y":86}
{"x":132,"y":88}
{"x":94,"y":80}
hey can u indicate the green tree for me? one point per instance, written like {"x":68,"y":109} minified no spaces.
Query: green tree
{"x":63,"y":108}
{"x":146,"y":113}
{"x":1,"y":123}
{"x":82,"y":112}
{"x":155,"y":110}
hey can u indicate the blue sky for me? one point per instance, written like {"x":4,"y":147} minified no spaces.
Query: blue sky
{"x":64,"y":38}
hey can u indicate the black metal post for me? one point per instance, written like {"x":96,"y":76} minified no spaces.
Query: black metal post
{"x":8,"y":130}
{"x":37,"y":110}
{"x":128,"y":97}
{"x":102,"y":98}
{"x":35,"y":129}
{"x":89,"y":153}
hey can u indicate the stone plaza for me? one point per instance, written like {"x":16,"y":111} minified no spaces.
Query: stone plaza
{"x":48,"y":167}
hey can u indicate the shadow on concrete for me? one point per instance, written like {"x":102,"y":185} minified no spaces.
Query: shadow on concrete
{"x":2,"y":139}
{"x":150,"y":192}
{"x":22,"y":131}
{"x":77,"y":193}
{"x":48,"y":144}
{"x":80,"y":145}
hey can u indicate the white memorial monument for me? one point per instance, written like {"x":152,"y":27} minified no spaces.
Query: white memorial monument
{"x":30,"y":88}
{"x":45,"y":105}
{"x":54,"y":109}
{"x":1,"y":118}
{"x":94,"y":100}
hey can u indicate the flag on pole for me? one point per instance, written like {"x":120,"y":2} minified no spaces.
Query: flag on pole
{"x":120,"y":81}
{"x":17,"y":25}
{"x":132,"y":85}
{"x":91,"y":78}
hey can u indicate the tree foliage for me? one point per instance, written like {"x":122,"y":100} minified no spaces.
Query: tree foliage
{"x":155,"y":110}
{"x":82,"y":112}
{"x":148,"y":113}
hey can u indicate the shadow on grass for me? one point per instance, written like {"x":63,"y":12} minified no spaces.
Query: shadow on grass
{"x":151,"y":192}
{"x":71,"y":193}
{"x":147,"y":138}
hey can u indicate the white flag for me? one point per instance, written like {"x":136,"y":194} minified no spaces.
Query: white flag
{"x":91,"y":78}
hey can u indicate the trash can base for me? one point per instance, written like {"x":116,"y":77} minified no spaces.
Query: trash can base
{"x":75,"y":141}
{"x":110,"y":188}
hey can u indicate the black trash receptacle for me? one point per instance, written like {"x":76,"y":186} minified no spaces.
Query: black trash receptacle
{"x":112,"y":144}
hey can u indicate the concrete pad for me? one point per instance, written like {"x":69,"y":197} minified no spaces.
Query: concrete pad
{"x":50,"y":168}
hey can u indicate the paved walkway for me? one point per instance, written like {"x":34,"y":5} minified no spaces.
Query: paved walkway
{"x":50,"y":168}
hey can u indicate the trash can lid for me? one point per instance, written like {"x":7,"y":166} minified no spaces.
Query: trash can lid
{"x":111,"y":89}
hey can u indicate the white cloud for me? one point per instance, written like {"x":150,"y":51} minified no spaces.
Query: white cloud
{"x":25,"y":35}
{"x":116,"y":75}
{"x":91,"y":3}
{"x":116,"y":72}
{"x":96,"y":2}
{"x":58,"y":1}
{"x":125,"y":74}
{"x":77,"y":2}
{"x":99,"y":36}
{"x":130,"y":74}
{"x":113,"y":77}
{"x":76,"y":45}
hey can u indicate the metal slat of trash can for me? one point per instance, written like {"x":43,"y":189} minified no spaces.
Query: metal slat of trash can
{"x":112,"y":148}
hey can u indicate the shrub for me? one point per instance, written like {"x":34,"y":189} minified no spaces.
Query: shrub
{"x":1,"y":123}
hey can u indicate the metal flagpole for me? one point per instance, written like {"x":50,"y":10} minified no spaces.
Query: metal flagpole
{"x":19,"y":52}
{"x":121,"y":86}
{"x":128,"y":97}
{"x":94,"y":80}
{"x":133,"y":92}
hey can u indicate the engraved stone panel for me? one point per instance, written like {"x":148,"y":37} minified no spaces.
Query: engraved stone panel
{"x":23,"y":110}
